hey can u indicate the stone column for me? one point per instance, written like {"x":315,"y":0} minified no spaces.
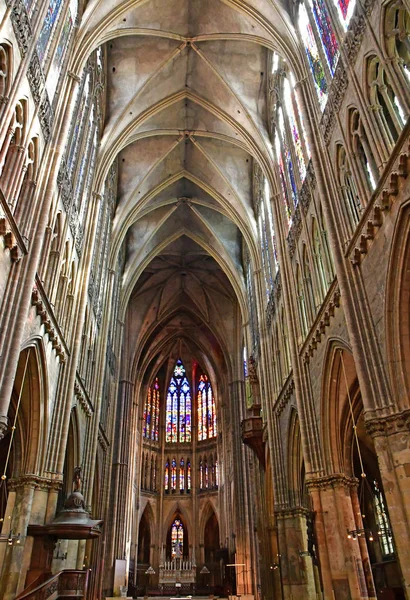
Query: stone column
{"x":27,"y":503}
{"x":391,"y":436}
{"x":341,"y":559}
{"x":297,"y":575}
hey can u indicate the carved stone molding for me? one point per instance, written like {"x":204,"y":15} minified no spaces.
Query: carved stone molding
{"x":398,"y":423}
{"x":282,"y":513}
{"x":380,"y":207}
{"x":46,"y":320}
{"x":34,"y":481}
{"x":334,"y":102}
{"x":305,"y":194}
{"x":294,"y":231}
{"x":36,"y":78}
{"x":323,"y":321}
{"x":332,"y":481}
{"x":285,"y":395}
{"x":354,"y":37}
{"x":46,"y":117}
{"x":3,"y":426}
{"x":273,"y":300}
{"x":83,"y":399}
{"x":9,"y":238}
{"x":21,"y":26}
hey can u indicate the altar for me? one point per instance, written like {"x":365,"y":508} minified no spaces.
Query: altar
{"x":177,"y":576}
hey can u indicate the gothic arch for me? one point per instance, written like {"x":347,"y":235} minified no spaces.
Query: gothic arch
{"x":206,"y":513}
{"x":33,"y":409}
{"x":296,"y":464}
{"x":145,"y":535}
{"x":398,"y":310}
{"x":335,"y":407}
{"x":177,"y":512}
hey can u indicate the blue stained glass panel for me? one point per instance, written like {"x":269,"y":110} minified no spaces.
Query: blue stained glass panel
{"x":313,"y":56}
{"x":326,"y":32}
{"x":48,"y":27}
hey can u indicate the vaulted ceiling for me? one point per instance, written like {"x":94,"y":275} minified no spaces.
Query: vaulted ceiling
{"x":186,"y":117}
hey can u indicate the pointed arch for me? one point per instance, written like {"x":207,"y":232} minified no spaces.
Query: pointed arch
{"x":296,"y":463}
{"x":398,"y":310}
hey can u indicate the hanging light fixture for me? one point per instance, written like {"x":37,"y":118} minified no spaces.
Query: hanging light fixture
{"x":363,"y":532}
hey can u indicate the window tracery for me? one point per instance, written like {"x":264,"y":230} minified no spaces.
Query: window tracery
{"x":206,"y":410}
{"x":396,"y":33}
{"x":384,"y":103}
{"x":362,"y":150}
{"x":151,"y":413}
{"x":177,"y":539}
{"x":5,"y":70}
{"x":178,"y":407}
{"x":348,"y":187}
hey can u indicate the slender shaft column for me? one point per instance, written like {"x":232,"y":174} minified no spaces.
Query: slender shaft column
{"x":23,"y":273}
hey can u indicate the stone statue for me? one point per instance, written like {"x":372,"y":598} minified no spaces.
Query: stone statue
{"x":77,"y":479}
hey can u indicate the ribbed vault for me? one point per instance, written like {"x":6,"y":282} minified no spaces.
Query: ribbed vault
{"x":186,"y":118}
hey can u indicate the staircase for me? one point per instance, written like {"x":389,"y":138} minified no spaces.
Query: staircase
{"x":65,"y":584}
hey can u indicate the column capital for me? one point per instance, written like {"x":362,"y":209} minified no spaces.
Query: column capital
{"x":388,"y":425}
{"x":35,"y":482}
{"x":326,"y":482}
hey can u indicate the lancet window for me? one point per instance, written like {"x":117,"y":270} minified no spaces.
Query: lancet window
{"x":46,"y":34}
{"x":345,"y":10}
{"x":174,"y":475}
{"x":348,"y":187}
{"x":362,"y":151}
{"x":206,"y":409}
{"x":309,"y":37}
{"x":182,"y":475}
{"x":292,"y":150}
{"x":60,"y":51}
{"x":178,"y":407}
{"x":188,"y":476}
{"x":383,"y":522}
{"x":102,"y":241}
{"x":5,"y":70}
{"x":385,"y":104}
{"x":177,"y":539}
{"x":396,"y":33}
{"x":151,"y":413}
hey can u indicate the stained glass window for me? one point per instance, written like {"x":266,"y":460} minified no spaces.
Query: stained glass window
{"x":60,"y":52}
{"x":268,"y":210}
{"x":287,"y":205}
{"x":173,"y":475}
{"x":383,"y":523}
{"x":201,"y":475}
{"x":151,"y":413}
{"x":294,"y":128}
{"x":206,"y":474}
{"x":206,"y":410}
{"x":182,"y":475}
{"x":166,"y":479}
{"x":245,"y":362}
{"x":287,"y":158}
{"x":178,"y":407}
{"x":265,"y":255}
{"x":345,"y":10}
{"x":177,"y":539}
{"x":188,"y":475}
{"x":326,"y":32}
{"x":46,"y":32}
{"x":216,"y":473}
{"x":313,"y":56}
{"x":29,"y":4}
